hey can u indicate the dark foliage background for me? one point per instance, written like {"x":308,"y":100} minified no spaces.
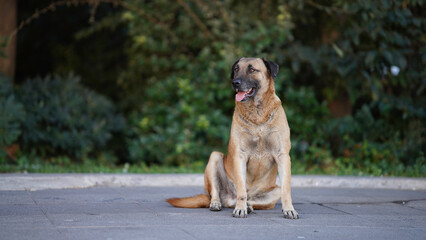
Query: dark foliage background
{"x":352,"y":79}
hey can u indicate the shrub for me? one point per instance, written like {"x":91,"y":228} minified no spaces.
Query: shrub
{"x":348,"y":108}
{"x":182,"y":75}
{"x":11,"y":115}
{"x":178,"y":124}
{"x":64,"y":117}
{"x":367,"y":57}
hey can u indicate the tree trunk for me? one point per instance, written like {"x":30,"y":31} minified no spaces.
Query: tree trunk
{"x":7,"y":25}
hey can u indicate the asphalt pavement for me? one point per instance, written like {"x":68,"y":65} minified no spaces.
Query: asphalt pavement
{"x":129,"y":212}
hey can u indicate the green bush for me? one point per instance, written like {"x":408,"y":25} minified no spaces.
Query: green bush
{"x":349,"y":48}
{"x":11,"y":115}
{"x":185,"y":79}
{"x":179,"y":124}
{"x":182,"y":77}
{"x":348,"y":111}
{"x":65,"y":118}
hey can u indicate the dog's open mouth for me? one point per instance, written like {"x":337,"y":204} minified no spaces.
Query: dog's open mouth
{"x":242,"y":96}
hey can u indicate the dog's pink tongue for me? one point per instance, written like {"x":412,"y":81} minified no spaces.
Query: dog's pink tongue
{"x":240,"y":96}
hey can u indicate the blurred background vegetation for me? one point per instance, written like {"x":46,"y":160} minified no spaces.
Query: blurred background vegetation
{"x":143,"y":86}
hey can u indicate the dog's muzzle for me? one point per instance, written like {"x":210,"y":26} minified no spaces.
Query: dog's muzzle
{"x":244,"y":89}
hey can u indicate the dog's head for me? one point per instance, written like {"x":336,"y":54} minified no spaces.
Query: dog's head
{"x":251,"y":77}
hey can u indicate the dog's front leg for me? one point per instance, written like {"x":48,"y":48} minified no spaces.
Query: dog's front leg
{"x":284,"y":171}
{"x":240,"y":171}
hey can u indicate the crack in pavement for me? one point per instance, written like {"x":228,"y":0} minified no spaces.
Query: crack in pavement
{"x":401,"y":202}
{"x":335,"y":209}
{"x":44,"y":213}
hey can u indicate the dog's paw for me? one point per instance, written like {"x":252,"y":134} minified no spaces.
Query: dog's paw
{"x":249,"y":208}
{"x":290,"y":214}
{"x":215,"y":206}
{"x":240,"y":213}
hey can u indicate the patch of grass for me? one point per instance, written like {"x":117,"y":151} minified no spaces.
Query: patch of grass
{"x":343,"y":166}
{"x":65,"y":165}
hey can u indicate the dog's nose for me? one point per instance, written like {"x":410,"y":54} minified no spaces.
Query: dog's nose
{"x":236,"y":82}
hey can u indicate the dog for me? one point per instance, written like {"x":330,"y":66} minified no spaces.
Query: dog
{"x":259,"y":146}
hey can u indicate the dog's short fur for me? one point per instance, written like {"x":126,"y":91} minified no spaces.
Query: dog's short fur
{"x":259,"y":146}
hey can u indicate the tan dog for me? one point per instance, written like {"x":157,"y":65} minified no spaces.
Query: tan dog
{"x":259,"y":146}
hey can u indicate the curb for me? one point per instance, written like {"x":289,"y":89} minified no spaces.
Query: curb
{"x":34,"y":182}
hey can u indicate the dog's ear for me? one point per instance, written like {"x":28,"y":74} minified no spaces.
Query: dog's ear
{"x":272,"y":67}
{"x":232,"y":69}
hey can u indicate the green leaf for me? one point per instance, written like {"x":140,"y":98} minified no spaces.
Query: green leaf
{"x":402,"y":62}
{"x":3,"y":44}
{"x":370,"y":58}
{"x":388,"y":56}
{"x":338,"y":50}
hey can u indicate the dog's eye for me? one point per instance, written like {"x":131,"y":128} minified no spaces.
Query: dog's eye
{"x":251,"y":70}
{"x":235,"y":69}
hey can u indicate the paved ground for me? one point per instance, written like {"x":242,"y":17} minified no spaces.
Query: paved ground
{"x":141,"y":213}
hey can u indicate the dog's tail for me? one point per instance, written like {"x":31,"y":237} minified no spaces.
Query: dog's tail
{"x":199,"y":201}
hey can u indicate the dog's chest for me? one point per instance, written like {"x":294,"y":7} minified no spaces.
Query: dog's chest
{"x":260,"y":159}
{"x":261,"y":142}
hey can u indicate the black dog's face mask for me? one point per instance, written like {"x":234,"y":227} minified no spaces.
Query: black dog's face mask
{"x":247,"y":76}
